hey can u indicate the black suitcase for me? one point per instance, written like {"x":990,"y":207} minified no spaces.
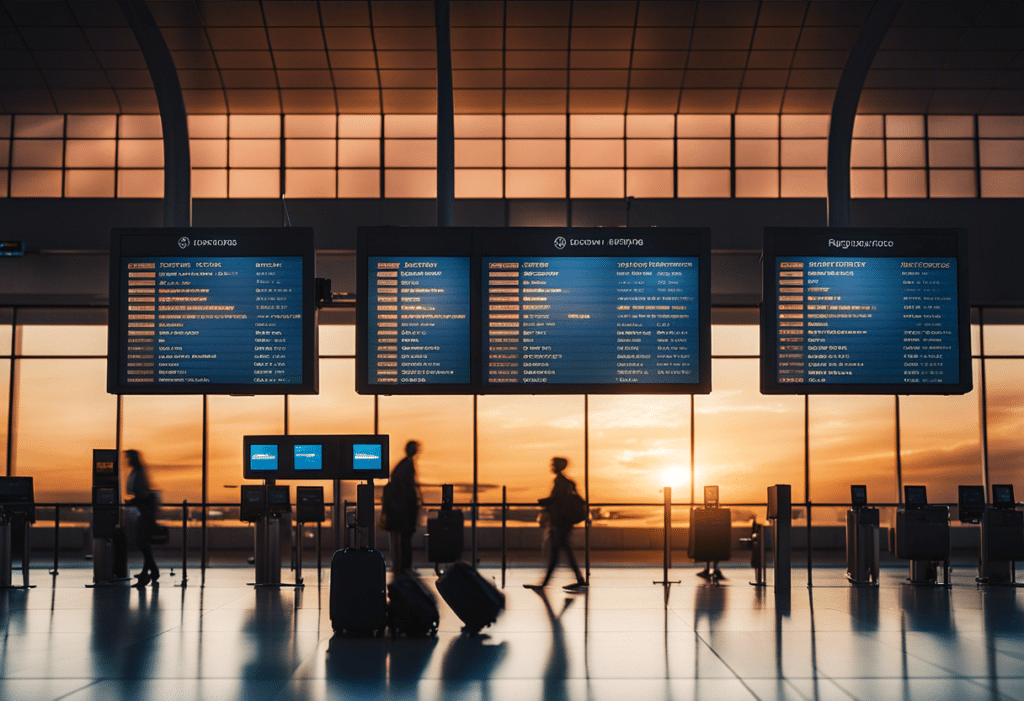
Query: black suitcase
{"x":412,"y":608}
{"x":473,"y":599}
{"x":445,"y":536}
{"x":358,"y":595}
{"x":710,"y":535}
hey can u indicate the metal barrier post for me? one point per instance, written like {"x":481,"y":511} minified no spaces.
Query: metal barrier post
{"x":504,"y":544}
{"x":184,"y":543}
{"x":56,"y":539}
{"x":319,"y":535}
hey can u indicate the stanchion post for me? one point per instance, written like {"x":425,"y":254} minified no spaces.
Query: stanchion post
{"x":504,"y":543}
{"x":667,"y":555}
{"x":184,"y":543}
{"x":56,"y":539}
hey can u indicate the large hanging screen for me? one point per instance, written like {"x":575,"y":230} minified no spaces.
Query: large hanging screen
{"x":865,"y":311}
{"x":531,"y":311}
{"x":212,"y":311}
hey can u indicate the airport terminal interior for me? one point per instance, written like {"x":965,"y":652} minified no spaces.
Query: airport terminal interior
{"x":741,"y":119}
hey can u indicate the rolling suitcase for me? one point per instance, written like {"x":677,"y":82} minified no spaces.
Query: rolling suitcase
{"x":412,"y":608}
{"x":445,"y":536}
{"x":710,"y":535}
{"x":473,"y":599}
{"x":358,"y":596}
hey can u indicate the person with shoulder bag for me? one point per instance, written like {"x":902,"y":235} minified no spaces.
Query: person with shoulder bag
{"x":145,"y":499}
{"x":565,"y":508}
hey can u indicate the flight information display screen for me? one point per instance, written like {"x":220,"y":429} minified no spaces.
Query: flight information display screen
{"x":212,"y":311}
{"x":482,"y":311}
{"x":865,"y":311}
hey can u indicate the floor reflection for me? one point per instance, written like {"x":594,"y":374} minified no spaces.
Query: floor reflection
{"x":124,"y":636}
{"x":622,"y":639}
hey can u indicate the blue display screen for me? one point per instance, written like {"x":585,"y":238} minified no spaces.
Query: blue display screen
{"x":867,"y":320}
{"x":192,"y":321}
{"x":366,"y":457}
{"x":309,"y":457}
{"x":418,"y":320}
{"x":263,"y":457}
{"x":591,"y":320}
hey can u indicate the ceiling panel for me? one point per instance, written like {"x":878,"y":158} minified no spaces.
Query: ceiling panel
{"x":239,"y":13}
{"x":478,"y":13}
{"x":295,"y":38}
{"x":308,"y":101}
{"x":741,"y":55}
{"x":293,"y":13}
{"x":760,"y":101}
{"x":93,"y":101}
{"x":301,"y":60}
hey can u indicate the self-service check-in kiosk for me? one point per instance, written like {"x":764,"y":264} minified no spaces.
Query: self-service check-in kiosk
{"x":862,"y":546}
{"x":710,"y":535}
{"x":109,"y":545}
{"x":1002,"y":537}
{"x":922,"y":536}
{"x":254,"y":509}
{"x":17,"y":513}
{"x":309,"y":508}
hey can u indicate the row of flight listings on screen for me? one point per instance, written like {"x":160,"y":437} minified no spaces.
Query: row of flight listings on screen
{"x":590,"y":311}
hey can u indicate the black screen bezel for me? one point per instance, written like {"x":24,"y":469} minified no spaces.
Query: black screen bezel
{"x":477,"y":243}
{"x":813,"y":241}
{"x":164,"y":242}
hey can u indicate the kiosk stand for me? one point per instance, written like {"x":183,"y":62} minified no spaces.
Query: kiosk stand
{"x":862,"y":547}
{"x":710,"y":535}
{"x":1002,"y":538}
{"x":922,"y":536}
{"x":264,"y":505}
{"x":17,"y":513}
{"x":780,"y":510}
{"x":309,"y":508}
{"x":109,"y":545}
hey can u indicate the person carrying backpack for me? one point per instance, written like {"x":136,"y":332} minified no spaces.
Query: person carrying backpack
{"x":565,"y":508}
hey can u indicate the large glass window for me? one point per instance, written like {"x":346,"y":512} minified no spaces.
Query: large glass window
{"x":940,"y":442}
{"x":634,"y":442}
{"x":6,"y":341}
{"x":61,"y":413}
{"x":517,"y":438}
{"x":443,"y":426}
{"x":852,"y":440}
{"x":168,"y":431}
{"x":1005,"y":390}
{"x":745,"y":441}
{"x":228,"y":420}
{"x":68,"y":332}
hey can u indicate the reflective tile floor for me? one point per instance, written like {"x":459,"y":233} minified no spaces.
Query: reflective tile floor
{"x":625,"y":639}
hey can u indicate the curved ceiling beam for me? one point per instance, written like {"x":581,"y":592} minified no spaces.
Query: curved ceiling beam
{"x":844,"y":107}
{"x":177,"y":163}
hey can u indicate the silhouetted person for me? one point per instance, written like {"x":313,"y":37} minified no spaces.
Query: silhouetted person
{"x":145,"y":500}
{"x":400,"y":504}
{"x":559,"y":525}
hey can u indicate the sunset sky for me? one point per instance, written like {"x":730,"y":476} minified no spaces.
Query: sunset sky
{"x":744,"y":441}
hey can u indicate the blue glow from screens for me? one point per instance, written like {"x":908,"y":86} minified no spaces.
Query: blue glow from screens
{"x":309,"y":457}
{"x":366,"y":457}
{"x":263,"y":457}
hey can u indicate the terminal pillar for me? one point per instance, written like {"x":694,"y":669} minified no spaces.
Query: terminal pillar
{"x":780,"y":510}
